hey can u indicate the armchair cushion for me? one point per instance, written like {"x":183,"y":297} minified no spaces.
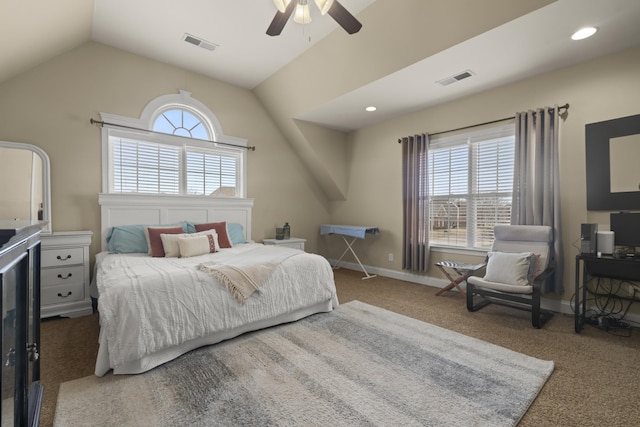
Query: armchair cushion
{"x":509,"y":268}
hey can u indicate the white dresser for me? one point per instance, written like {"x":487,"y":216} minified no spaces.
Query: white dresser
{"x":294,"y":242}
{"x":64,"y":274}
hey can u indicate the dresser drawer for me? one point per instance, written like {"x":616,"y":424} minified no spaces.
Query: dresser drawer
{"x":60,"y":257}
{"x":62,"y":293}
{"x":61,"y":275}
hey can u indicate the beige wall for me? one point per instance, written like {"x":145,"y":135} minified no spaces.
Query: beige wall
{"x":50,"y":107}
{"x":600,"y":90}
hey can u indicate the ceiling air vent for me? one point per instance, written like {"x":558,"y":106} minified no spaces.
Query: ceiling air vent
{"x":460,"y":76}
{"x":199,"y":42}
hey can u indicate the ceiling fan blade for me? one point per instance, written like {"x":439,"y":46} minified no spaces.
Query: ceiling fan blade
{"x":343,"y":17}
{"x":281,"y":19}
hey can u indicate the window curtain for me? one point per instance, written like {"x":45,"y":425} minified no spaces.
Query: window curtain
{"x":415,"y":203}
{"x":536,"y":188}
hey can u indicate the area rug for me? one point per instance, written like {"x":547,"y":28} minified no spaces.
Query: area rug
{"x":358,"y":365}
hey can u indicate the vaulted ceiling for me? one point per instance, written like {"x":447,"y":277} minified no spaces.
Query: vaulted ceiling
{"x":416,"y":43}
{"x":315,"y":80}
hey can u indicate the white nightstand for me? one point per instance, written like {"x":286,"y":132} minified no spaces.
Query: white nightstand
{"x":294,"y":243}
{"x":64,"y":274}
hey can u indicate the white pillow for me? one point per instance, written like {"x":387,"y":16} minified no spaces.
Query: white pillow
{"x":172,"y":248}
{"x":509,"y":268}
{"x":198,"y":245}
{"x":170,"y":244}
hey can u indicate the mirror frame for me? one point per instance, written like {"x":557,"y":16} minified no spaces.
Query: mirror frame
{"x":599,"y":195}
{"x":46,"y":178}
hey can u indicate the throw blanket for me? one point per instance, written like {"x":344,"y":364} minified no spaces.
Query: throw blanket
{"x":243,"y":276}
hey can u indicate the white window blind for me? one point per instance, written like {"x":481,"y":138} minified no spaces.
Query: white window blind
{"x":470,"y":186}
{"x":210,"y":173}
{"x":144,"y":167}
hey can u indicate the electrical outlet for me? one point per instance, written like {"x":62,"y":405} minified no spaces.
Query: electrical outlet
{"x":390,"y":257}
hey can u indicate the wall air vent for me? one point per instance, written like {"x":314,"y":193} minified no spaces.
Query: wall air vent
{"x":456,"y":78}
{"x":196,"y":41}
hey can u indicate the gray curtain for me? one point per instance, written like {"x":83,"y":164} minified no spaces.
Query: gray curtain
{"x":536,"y":187}
{"x":415,"y":203}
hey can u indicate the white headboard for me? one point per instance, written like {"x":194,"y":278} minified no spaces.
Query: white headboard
{"x":130,"y":209}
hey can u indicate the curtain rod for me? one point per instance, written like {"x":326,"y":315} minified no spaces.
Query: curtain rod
{"x":101,"y":124}
{"x":563,"y":107}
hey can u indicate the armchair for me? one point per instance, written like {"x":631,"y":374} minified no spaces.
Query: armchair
{"x":519,"y":262}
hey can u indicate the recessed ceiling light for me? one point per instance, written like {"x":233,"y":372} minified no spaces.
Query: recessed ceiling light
{"x":583,"y":33}
{"x":371,"y":108}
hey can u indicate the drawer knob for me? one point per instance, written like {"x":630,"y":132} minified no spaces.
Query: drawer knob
{"x":60,"y":276}
{"x":68,"y":257}
{"x":64,"y":296}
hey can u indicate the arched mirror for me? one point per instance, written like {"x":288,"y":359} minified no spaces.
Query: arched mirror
{"x":25,"y":189}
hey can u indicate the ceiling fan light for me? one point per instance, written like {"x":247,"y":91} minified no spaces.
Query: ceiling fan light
{"x":281,"y":4}
{"x":302,"y":14}
{"x":324,"y":5}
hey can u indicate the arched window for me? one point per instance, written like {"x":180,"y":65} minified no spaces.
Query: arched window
{"x":181,"y":122}
{"x":182,"y":155}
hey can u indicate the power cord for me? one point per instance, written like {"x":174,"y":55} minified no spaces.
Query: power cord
{"x":608,"y":307}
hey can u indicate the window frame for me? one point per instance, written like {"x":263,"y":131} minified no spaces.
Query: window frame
{"x":131,"y":128}
{"x":471,"y":195}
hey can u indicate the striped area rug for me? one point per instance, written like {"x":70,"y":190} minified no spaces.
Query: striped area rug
{"x":358,"y":365}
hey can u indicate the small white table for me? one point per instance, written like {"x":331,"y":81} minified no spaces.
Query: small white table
{"x":294,"y":243}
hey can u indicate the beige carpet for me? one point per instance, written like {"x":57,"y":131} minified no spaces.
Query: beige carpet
{"x":595,"y":381}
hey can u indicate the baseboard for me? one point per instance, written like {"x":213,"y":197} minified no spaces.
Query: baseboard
{"x":554,"y":305}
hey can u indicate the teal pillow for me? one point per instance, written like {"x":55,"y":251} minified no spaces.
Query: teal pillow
{"x":235,"y":233}
{"x":127,"y":239}
{"x":191,"y":227}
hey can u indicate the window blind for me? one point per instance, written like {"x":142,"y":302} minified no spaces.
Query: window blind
{"x":471,"y":180}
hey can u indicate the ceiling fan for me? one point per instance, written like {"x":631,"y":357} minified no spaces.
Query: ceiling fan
{"x":303,"y":16}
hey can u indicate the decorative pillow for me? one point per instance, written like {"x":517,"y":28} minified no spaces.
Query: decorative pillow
{"x":156,"y":249}
{"x":508,"y":268}
{"x":235,"y":233}
{"x":146,"y":233}
{"x":170,"y":244}
{"x":197,"y":245}
{"x":221,"y":229}
{"x":126,"y":239}
{"x":535,"y":268}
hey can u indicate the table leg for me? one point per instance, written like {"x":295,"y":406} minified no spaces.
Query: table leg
{"x":350,"y":248}
{"x":453,"y":282}
{"x":577,"y":306}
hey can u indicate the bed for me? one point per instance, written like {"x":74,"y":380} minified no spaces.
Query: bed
{"x":156,"y":308}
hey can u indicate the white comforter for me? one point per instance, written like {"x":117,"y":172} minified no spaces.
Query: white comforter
{"x":150,"y":304}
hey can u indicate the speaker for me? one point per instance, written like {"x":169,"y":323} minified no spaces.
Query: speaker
{"x":605,"y":242}
{"x":588,"y":241}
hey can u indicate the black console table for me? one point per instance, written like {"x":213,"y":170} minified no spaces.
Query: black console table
{"x":20,"y":323}
{"x":604,"y":266}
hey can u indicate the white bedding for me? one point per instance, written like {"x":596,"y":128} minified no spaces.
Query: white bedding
{"x":167,"y":306}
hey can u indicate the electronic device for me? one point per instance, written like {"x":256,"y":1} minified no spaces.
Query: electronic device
{"x":605,"y":241}
{"x":626,"y":227}
{"x":588,"y":241}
